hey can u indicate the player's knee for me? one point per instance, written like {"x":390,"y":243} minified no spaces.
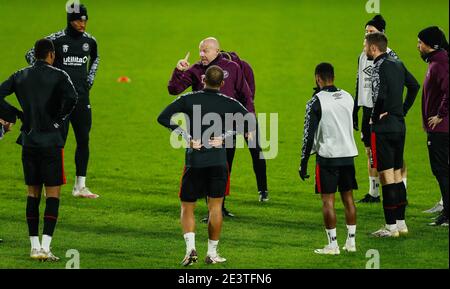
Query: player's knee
{"x":348,"y":202}
{"x":216,"y":209}
{"x":34,"y":191}
{"x":215,"y":204}
{"x":187,"y":208}
{"x":82,"y":137}
{"x":398,"y":176}
{"x":83,"y":145}
{"x":387,"y":177}
{"x":327,"y":204}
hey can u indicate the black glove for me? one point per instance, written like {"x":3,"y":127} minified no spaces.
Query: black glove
{"x":302,"y":171}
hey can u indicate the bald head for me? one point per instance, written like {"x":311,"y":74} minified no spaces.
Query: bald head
{"x":211,"y":42}
{"x":209,"y":50}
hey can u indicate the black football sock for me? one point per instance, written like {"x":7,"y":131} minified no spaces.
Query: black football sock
{"x":32,"y":213}
{"x":403,"y":201}
{"x":390,"y":203}
{"x":51,"y":216}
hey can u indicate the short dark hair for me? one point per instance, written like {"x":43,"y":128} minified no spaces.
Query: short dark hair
{"x":325,"y":71}
{"x":214,"y":76}
{"x":42,"y":48}
{"x":378,"y":39}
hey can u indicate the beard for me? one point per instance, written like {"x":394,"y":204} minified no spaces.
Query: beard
{"x":369,"y":56}
{"x":424,"y":56}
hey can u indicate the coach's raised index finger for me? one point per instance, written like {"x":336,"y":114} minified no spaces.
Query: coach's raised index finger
{"x":186,"y":58}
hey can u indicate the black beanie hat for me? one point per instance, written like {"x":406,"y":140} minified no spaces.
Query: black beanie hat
{"x":433,"y":37}
{"x":73,"y":15}
{"x":378,"y":22}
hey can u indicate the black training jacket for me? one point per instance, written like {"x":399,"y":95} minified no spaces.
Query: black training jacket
{"x":76,"y":54}
{"x":47,"y":97}
{"x":389,"y":78}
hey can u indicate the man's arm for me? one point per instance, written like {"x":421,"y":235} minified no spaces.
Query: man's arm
{"x":443,"y":108}
{"x":412,"y":87}
{"x":69,"y":99}
{"x":249,"y":77}
{"x":380,"y":92}
{"x":250,"y":117}
{"x":182,"y":76}
{"x":6,"y":88}
{"x":393,"y":54}
{"x":243,"y":90}
{"x":355,"y":105}
{"x":93,"y":64}
{"x":165,"y":118}
{"x":180,"y":81}
{"x":312,"y":117}
{"x":29,"y":57}
{"x":10,"y":112}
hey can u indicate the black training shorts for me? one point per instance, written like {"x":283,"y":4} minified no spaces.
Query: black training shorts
{"x":330,"y":179}
{"x":197,"y":183}
{"x":43,"y":166}
{"x":387,"y":151}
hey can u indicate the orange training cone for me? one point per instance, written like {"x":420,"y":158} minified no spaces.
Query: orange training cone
{"x":123,"y":79}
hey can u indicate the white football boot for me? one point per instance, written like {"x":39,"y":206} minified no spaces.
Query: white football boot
{"x":48,"y":256}
{"x":436,"y":209}
{"x":36,"y":254}
{"x":386,"y":233}
{"x":349,"y":247}
{"x":214,"y":260}
{"x":190,"y":258}
{"x":328,"y":250}
{"x":84,"y":193}
{"x":403,"y":230}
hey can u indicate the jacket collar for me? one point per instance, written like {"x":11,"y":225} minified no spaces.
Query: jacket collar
{"x":384,"y":55}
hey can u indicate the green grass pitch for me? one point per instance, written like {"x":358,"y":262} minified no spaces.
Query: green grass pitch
{"x":135,"y":222}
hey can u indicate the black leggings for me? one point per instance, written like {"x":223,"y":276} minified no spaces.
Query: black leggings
{"x":259,"y":164}
{"x":438,"y":153}
{"x":81,"y":120}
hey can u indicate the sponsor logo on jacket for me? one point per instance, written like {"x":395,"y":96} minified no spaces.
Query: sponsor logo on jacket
{"x":75,"y":60}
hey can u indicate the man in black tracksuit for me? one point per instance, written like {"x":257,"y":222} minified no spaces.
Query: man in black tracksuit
{"x":206,"y":158}
{"x":389,"y":77}
{"x":47,"y":97}
{"x":76,"y":54}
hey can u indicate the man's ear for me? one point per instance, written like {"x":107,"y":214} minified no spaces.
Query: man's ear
{"x":317,"y":80}
{"x":222,"y":83}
